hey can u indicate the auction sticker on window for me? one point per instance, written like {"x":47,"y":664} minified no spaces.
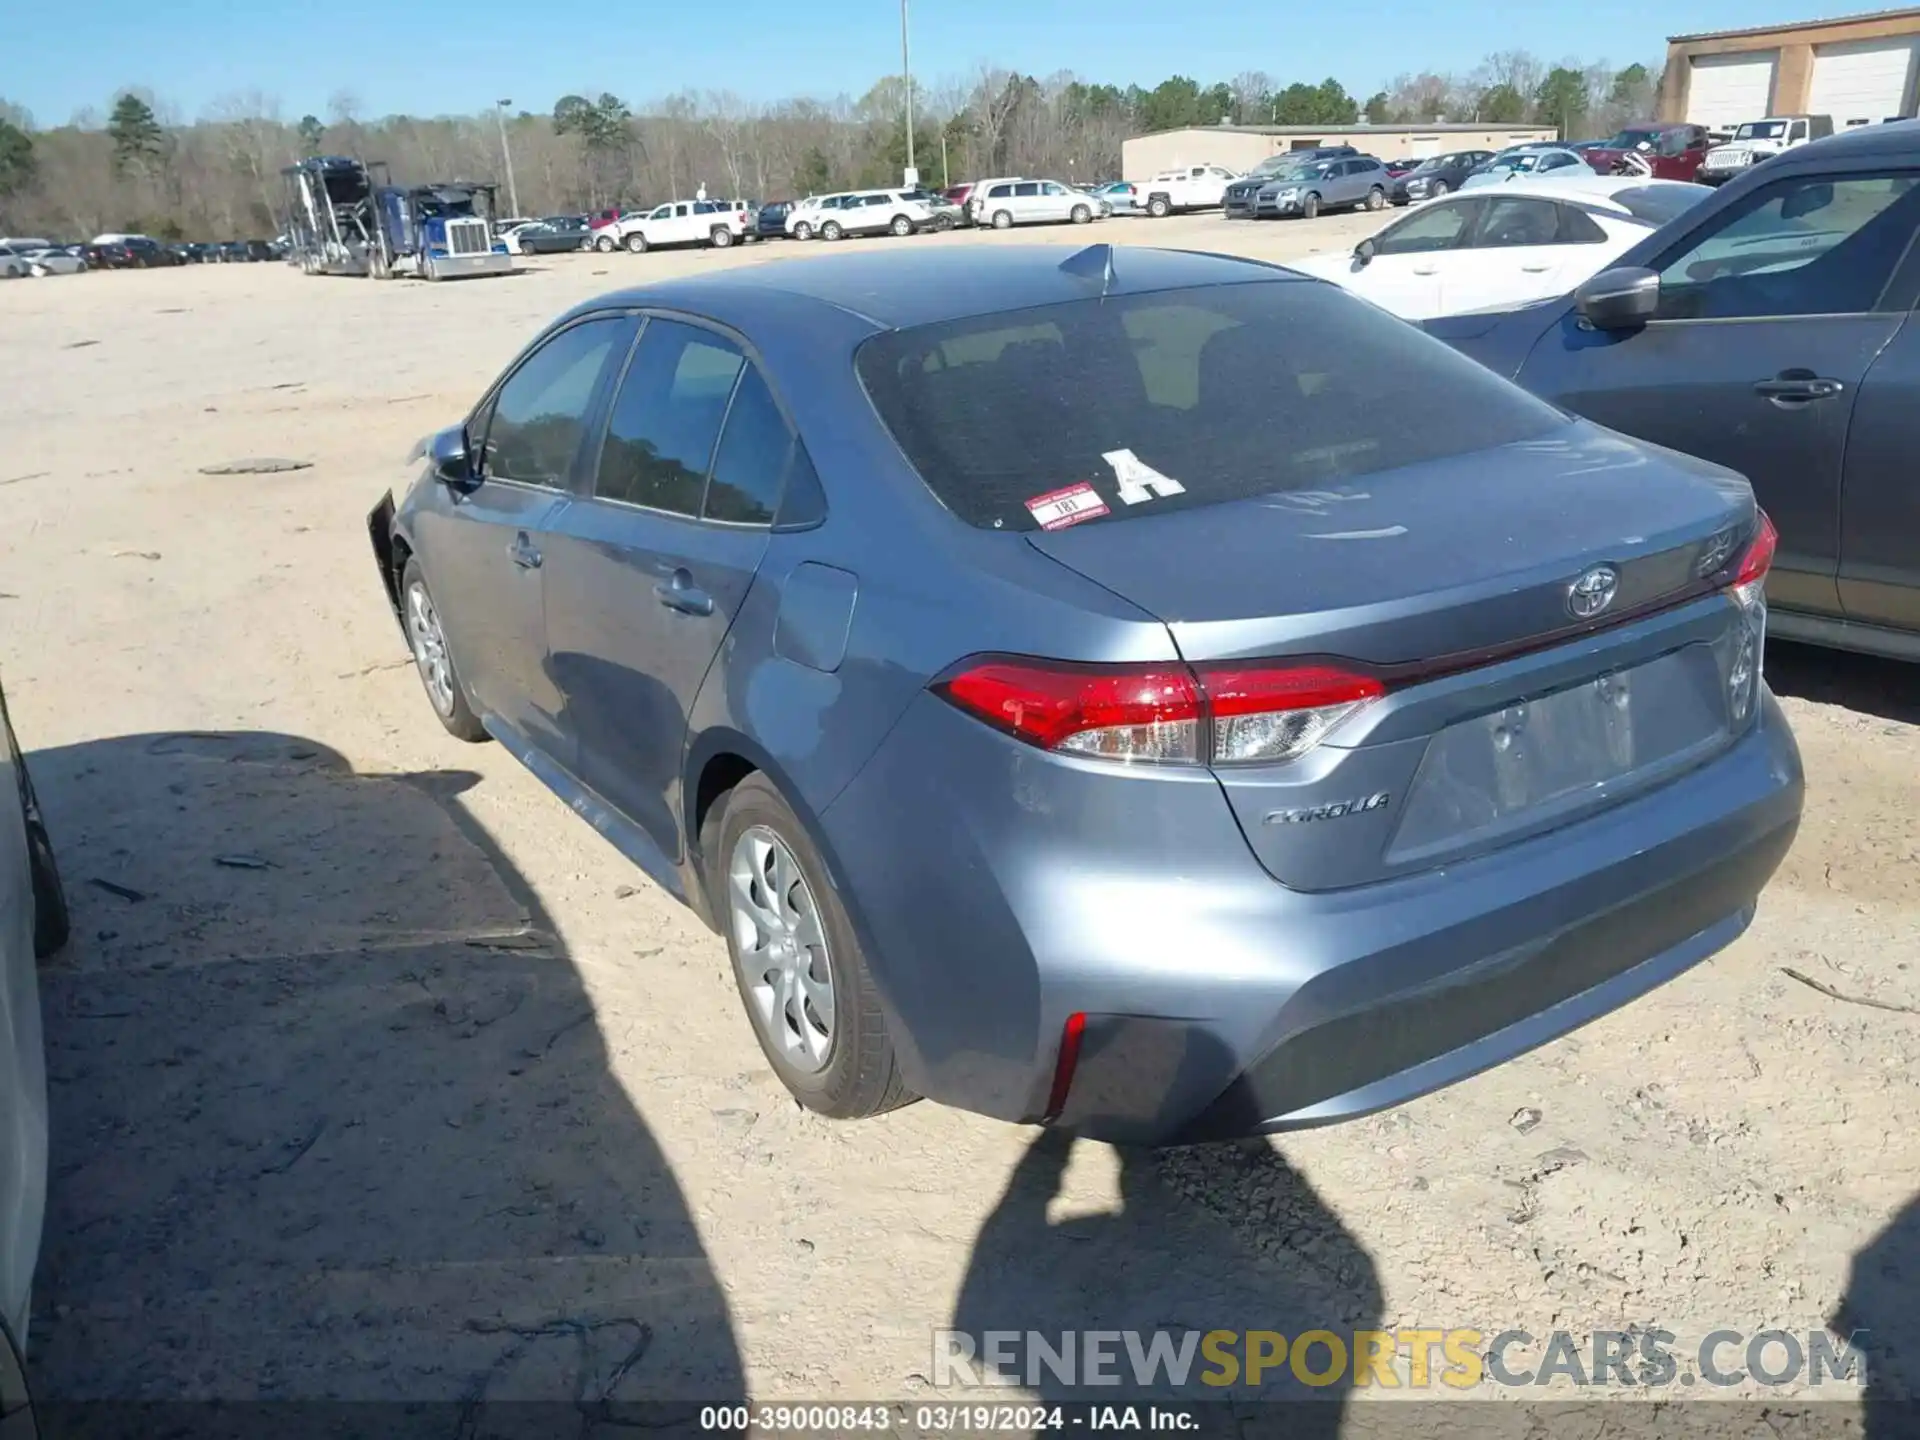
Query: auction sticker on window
{"x":1069,"y":505}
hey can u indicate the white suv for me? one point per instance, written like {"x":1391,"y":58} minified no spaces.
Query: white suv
{"x":1003,"y":203}
{"x":803,"y":221}
{"x":875,"y":212}
{"x":1197,"y":187}
{"x":681,"y":222}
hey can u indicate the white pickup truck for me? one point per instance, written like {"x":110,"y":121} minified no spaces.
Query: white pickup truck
{"x":1193,"y":187}
{"x":682,"y":222}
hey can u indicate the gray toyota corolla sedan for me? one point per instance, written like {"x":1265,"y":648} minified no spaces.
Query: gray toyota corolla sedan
{"x":1146,"y":692}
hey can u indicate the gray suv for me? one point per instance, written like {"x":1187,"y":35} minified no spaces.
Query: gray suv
{"x":1349,"y":181}
{"x":1240,"y":197}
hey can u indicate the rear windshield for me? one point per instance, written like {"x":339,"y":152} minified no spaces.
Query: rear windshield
{"x":1226,"y":391}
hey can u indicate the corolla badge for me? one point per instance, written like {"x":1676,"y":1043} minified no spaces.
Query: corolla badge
{"x":1338,"y":810}
{"x":1593,"y":592}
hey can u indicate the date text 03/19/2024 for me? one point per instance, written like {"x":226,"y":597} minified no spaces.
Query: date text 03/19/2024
{"x":936,"y":1419}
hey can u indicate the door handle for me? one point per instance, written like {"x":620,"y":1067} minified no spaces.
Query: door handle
{"x":1796,"y":387}
{"x":523,"y":554}
{"x":1536,"y":269}
{"x":1424,"y":269}
{"x":680,"y":593}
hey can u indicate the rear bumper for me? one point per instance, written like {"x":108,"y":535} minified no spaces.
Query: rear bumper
{"x":999,"y":890}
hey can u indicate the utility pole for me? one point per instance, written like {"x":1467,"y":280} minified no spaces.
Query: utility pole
{"x":912,"y":176}
{"x":513,"y":192}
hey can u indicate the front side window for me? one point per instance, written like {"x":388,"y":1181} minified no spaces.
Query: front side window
{"x":664,"y":422}
{"x":537,"y":419}
{"x":1051,"y":189}
{"x":1801,"y":246}
{"x":1433,"y":227}
{"x":1233,"y":391}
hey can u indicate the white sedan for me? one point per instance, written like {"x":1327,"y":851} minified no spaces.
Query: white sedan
{"x":53,"y":262}
{"x":1529,"y":240}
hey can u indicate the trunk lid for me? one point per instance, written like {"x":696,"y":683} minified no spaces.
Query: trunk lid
{"x":1507,"y":711}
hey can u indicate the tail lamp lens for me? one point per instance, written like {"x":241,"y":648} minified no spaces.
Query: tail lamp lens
{"x":1164,"y":713}
{"x":1749,"y":581}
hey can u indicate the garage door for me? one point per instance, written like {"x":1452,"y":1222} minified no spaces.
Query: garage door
{"x":1861,"y":80}
{"x":1723,"y":90}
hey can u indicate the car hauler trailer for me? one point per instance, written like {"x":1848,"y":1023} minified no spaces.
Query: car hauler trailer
{"x":437,"y":232}
{"x":331,"y":224}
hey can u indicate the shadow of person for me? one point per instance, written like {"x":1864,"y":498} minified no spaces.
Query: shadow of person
{"x":1881,"y":1310}
{"x":1218,"y":1237}
{"x":333,"y":1118}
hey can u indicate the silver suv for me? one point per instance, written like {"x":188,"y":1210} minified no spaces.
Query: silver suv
{"x":1342,"y":182}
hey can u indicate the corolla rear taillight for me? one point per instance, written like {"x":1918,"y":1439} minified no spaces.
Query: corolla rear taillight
{"x":1748,"y":590}
{"x":1240,"y":714}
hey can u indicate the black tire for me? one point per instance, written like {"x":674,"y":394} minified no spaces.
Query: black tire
{"x":456,"y":714}
{"x":831,"y":230}
{"x":1437,"y":189}
{"x":1310,"y":207}
{"x":604,"y":244}
{"x":1159,"y":207}
{"x":51,"y":923}
{"x":636,"y":244}
{"x":1376,"y":199}
{"x":803,"y":231}
{"x":861,"y":1077}
{"x":1081,"y":215}
{"x":720,"y":237}
{"x":1003,"y":219}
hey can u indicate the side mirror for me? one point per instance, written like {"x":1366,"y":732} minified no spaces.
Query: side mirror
{"x":1622,"y":299}
{"x":447,"y":453}
{"x":1365,"y":251}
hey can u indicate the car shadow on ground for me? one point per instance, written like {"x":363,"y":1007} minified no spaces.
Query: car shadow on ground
{"x":1214,"y":1237}
{"x":1889,"y":689}
{"x":1880,"y":1302}
{"x":332,"y":1116}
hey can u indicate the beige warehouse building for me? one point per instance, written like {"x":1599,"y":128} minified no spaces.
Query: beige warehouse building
{"x":1860,"y":69}
{"x":1241,"y":147}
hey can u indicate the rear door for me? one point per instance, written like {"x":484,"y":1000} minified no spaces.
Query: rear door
{"x":1772,"y":309}
{"x":1880,"y":487}
{"x":649,"y":569}
{"x":484,"y":549}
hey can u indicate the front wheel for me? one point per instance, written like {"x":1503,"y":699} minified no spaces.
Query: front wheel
{"x":1081,"y":215}
{"x":799,"y":968}
{"x":1376,"y":198}
{"x":901,"y":225}
{"x":720,"y":237}
{"x":1310,"y":207}
{"x":831,"y":230}
{"x":604,"y":244}
{"x":636,"y":244}
{"x":434,"y":661}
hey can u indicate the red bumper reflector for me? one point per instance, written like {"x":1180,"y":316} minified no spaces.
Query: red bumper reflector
{"x":1063,"y":1068}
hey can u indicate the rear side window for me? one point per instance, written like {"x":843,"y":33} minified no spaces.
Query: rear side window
{"x":999,"y":192}
{"x":1227,"y":392}
{"x":665,"y":419}
{"x":756,"y":452}
{"x":1579,"y":228}
{"x":1657,"y":204}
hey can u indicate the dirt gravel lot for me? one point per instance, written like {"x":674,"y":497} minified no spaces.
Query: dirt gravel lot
{"x":376,"y":1073}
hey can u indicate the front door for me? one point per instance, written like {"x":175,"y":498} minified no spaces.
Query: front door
{"x":1413,"y":259}
{"x":646,"y":574}
{"x":1771,"y":312}
{"x":1514,"y":254}
{"x":483,"y":551}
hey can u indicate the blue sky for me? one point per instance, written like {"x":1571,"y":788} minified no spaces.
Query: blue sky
{"x":443,"y":57}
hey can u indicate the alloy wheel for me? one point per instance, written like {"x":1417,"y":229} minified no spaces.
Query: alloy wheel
{"x":781,"y":949}
{"x":430,"y":649}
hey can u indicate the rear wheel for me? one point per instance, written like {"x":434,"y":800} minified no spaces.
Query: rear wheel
{"x":799,"y":968}
{"x":803,"y":231}
{"x":636,"y":244}
{"x":434,"y":661}
{"x":604,"y":244}
{"x":721,"y":237}
{"x":1376,"y":198}
{"x":1002,"y":220}
{"x":1440,"y":187}
{"x":51,"y":924}
{"x":901,"y":225}
{"x":1159,"y":207}
{"x":1081,"y":215}
{"x":1310,"y":207}
{"x":831,"y":230}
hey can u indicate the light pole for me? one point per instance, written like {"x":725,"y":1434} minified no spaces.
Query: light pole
{"x":513,"y":191}
{"x":912,"y":176}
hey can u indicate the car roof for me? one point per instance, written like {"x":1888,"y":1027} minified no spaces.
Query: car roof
{"x":908,"y":286}
{"x":1593,"y":190}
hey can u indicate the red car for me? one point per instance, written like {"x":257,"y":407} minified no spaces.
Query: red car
{"x":1674,"y":151}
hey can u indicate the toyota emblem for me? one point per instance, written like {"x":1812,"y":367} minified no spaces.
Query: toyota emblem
{"x":1593,"y":592}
